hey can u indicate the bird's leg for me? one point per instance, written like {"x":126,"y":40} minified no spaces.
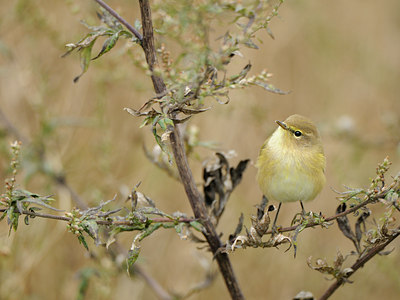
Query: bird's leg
{"x":274,"y":228}
{"x":300,"y":216}
{"x":303,"y":212}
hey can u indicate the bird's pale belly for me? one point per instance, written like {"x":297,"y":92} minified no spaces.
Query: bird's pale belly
{"x":290,"y":182}
{"x":291,"y":186}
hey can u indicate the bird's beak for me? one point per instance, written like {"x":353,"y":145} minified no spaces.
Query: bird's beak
{"x":283,"y":125}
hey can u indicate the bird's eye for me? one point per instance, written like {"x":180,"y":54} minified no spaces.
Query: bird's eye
{"x":297,"y":133}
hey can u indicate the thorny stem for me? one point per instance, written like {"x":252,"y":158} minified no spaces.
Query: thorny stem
{"x":195,"y":199}
{"x":360,"y":263}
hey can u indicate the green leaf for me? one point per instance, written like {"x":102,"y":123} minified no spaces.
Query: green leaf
{"x":108,"y":44}
{"x":137,"y":24}
{"x":133,"y":255}
{"x":111,"y":238}
{"x":12,"y":218}
{"x":270,"y":33}
{"x":169,"y":121}
{"x":91,"y":227}
{"x":149,"y":230}
{"x":146,"y":121}
{"x":3,"y":215}
{"x":197,"y":225}
{"x":270,"y":88}
{"x":85,"y":275}
{"x":250,"y":44}
{"x":82,"y":241}
{"x":85,"y":59}
{"x":162,"y":124}
{"x":154,"y":211}
{"x":39,"y":201}
{"x":178,"y":228}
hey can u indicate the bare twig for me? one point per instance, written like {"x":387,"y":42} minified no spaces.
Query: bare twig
{"x":120,"y":19}
{"x":360,"y":263}
{"x":156,"y":287}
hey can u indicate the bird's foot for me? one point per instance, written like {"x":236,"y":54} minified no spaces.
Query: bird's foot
{"x":275,"y":230}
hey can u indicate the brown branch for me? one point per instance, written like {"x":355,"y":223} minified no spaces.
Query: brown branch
{"x":199,"y":209}
{"x":195,"y":199}
{"x":148,"y":46}
{"x":360,"y":263}
{"x":103,"y":222}
{"x":120,"y":19}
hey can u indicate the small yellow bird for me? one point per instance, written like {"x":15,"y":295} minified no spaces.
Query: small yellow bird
{"x":291,"y":163}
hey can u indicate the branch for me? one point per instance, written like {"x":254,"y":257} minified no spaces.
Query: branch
{"x":195,"y":199}
{"x":370,"y":198}
{"x":199,"y":209}
{"x":360,"y":263}
{"x":148,"y":46}
{"x":120,"y":19}
{"x":155,"y":286}
{"x":102,"y":222}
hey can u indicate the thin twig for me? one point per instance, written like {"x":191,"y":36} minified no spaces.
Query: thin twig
{"x":360,"y":263}
{"x":156,"y":287}
{"x":104,"y":222}
{"x":120,"y":19}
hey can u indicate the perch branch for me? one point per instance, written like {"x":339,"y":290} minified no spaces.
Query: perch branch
{"x":370,"y":198}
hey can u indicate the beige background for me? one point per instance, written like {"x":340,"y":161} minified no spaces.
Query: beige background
{"x":340,"y":59}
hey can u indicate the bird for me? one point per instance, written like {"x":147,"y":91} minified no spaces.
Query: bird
{"x":291,"y":163}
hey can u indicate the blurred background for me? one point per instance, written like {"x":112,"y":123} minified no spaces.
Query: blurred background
{"x":339,"y":59}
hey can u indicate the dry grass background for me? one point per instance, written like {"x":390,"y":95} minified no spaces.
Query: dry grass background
{"x":340,"y":59}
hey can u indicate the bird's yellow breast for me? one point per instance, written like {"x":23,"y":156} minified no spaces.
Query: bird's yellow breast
{"x":288,"y":173}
